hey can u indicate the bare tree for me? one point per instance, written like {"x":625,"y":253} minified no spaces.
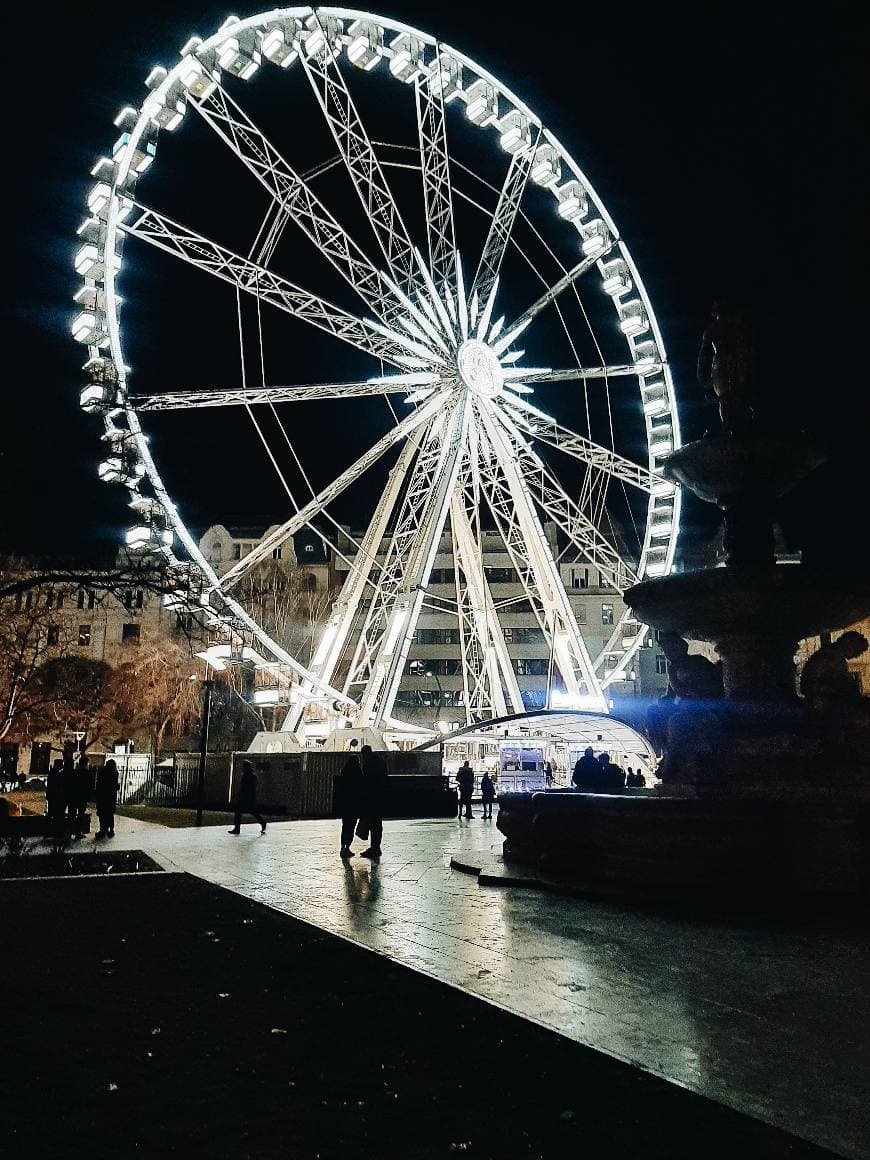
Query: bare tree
{"x":19,"y":575}
{"x":30,"y":634}
{"x":154,"y":693}
{"x":287,"y":603}
{"x":70,"y":694}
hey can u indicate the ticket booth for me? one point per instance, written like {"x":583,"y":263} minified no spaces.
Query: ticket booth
{"x":520,"y":767}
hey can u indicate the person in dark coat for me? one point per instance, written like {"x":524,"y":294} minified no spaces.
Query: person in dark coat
{"x":612,"y":775}
{"x":246,"y":802}
{"x":68,"y":790}
{"x":374,"y":797}
{"x":348,"y":800}
{"x":106,"y":798}
{"x":55,"y":802}
{"x":465,"y":780}
{"x":82,"y":787}
{"x":487,"y":792}
{"x":587,"y":771}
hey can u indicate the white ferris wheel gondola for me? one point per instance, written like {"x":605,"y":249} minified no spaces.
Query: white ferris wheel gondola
{"x":469,"y":436}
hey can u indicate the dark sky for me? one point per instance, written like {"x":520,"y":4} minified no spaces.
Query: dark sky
{"x":722,"y":138}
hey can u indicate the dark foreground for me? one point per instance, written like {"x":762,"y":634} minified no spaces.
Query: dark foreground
{"x":158,"y":1013}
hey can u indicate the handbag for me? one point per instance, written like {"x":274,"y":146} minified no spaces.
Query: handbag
{"x":362,"y":829}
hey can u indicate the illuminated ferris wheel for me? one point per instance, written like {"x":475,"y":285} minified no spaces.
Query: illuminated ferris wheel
{"x":458,"y":234}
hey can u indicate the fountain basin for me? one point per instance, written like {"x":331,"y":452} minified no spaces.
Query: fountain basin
{"x":716,"y":848}
{"x":789,"y":601}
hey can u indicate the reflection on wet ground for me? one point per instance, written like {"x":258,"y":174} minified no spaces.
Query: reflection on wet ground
{"x":770,"y":1017}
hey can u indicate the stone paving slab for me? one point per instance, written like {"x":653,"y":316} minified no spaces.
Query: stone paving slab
{"x":767,"y":1016}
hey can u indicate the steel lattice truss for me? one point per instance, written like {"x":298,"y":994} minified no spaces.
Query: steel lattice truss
{"x":471,"y":446}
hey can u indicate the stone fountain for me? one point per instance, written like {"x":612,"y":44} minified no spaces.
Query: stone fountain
{"x":763,"y":792}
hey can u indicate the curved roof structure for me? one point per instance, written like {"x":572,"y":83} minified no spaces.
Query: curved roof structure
{"x":575,"y":728}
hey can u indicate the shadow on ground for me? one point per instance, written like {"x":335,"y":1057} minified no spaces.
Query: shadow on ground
{"x":162,"y":1013}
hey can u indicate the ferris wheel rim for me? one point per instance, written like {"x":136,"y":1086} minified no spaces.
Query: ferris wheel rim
{"x":113,"y":324}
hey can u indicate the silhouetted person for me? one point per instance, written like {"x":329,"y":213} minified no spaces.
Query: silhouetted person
{"x":349,"y":795}
{"x":639,"y":780}
{"x":465,"y":781}
{"x":587,"y":771}
{"x":55,"y":802}
{"x":548,"y":774}
{"x":612,"y":775}
{"x":69,"y":790}
{"x":106,"y":798}
{"x":487,"y":792}
{"x":246,"y":802}
{"x":629,"y":778}
{"x":374,"y":785}
{"x":82,"y":786}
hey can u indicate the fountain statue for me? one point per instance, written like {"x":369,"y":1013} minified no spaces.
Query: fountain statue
{"x":752,"y":610}
{"x":765,"y":793}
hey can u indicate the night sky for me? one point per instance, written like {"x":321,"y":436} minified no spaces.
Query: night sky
{"x":724,"y":142}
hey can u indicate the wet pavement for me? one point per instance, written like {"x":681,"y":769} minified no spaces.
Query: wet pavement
{"x":769,"y":1017}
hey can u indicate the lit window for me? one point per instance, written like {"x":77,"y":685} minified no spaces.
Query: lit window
{"x":84,"y":635}
{"x":607,"y":614}
{"x":661,"y":663}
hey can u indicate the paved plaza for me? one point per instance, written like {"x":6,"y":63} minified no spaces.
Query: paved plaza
{"x":766,"y":1016}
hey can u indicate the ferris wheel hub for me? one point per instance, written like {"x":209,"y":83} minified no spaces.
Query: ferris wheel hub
{"x":479,"y":368}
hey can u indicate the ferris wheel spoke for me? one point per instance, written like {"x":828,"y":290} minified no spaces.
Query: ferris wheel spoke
{"x":420,"y":382}
{"x":552,"y":498}
{"x":386,"y":637}
{"x":510,"y":501}
{"x":550,"y":295}
{"x":347,"y":607}
{"x":345,"y":124}
{"x":531,"y":421}
{"x":501,"y":228}
{"x":435,"y":165}
{"x":371,"y":337}
{"x":291,"y":192}
{"x":489,"y":682}
{"x":576,"y":374}
{"x":305,"y":514}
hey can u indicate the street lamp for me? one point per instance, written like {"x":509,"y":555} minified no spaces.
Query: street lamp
{"x":207,"y":685}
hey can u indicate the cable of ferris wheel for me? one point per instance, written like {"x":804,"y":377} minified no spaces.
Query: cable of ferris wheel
{"x":345,"y":559}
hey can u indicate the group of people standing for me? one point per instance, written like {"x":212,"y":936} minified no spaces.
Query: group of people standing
{"x":72,"y":784}
{"x":602,"y":774}
{"x":360,"y":798}
{"x":465,"y":781}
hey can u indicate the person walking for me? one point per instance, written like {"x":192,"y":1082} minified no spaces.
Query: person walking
{"x":374,"y":798}
{"x":246,"y":802}
{"x":548,"y":774}
{"x":106,"y":798}
{"x":587,"y":771}
{"x":348,"y":800}
{"x":487,"y":792}
{"x":465,"y":780}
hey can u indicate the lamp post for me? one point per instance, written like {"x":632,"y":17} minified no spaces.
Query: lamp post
{"x":203,"y":746}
